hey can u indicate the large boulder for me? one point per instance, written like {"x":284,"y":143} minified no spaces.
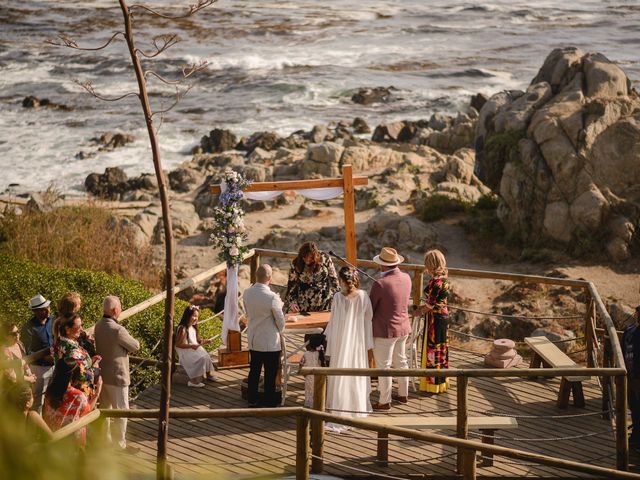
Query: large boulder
{"x":217,"y":141}
{"x":564,"y":155}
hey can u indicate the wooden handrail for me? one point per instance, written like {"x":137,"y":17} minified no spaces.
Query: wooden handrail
{"x":463,"y":372}
{"x":200,"y":413}
{"x":460,"y":272}
{"x":75,"y":426}
{"x":470,"y":444}
{"x":459,"y":443}
{"x":609,"y":326}
{"x":36,"y":355}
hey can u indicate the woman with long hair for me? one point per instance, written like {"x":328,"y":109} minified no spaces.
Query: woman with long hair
{"x":435,"y":349}
{"x":349,"y":340}
{"x":69,"y":348}
{"x":64,"y":403}
{"x":195,"y":360}
{"x":312,"y":281}
{"x":21,"y":397}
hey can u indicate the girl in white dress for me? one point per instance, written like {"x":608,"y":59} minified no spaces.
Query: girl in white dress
{"x":191,"y":355}
{"x":313,"y":357}
{"x":349,"y":338}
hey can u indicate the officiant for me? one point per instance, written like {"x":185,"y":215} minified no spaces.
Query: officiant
{"x":312,"y":281}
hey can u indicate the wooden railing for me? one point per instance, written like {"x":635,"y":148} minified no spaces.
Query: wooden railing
{"x":310,"y":425}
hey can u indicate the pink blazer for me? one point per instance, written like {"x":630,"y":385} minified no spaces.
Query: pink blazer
{"x":390,"y":296}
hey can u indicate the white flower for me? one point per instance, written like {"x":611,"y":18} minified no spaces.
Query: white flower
{"x":234,"y":251}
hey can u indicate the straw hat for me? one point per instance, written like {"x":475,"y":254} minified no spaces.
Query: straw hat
{"x":388,"y":257}
{"x":39,"y":302}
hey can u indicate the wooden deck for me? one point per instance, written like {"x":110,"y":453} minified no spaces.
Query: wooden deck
{"x":266,"y":446}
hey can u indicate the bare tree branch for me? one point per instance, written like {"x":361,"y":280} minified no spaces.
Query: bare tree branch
{"x":187,"y":71}
{"x":161,"y":43}
{"x":179,"y":96}
{"x":191,"y":9}
{"x":86,"y":85}
{"x":69,"y":42}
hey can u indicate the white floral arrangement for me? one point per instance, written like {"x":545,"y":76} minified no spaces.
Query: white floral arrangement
{"x":230,"y":231}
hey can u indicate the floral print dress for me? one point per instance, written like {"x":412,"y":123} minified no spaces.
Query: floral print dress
{"x":74,"y":406}
{"x":70,"y":350}
{"x":312,"y":291}
{"x":435,"y":351}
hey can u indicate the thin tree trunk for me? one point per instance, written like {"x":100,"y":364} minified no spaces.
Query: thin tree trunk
{"x":165,"y":394}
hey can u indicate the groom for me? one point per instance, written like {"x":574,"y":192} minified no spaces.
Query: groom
{"x":390,"y":296}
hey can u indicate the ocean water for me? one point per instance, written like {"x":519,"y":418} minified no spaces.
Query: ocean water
{"x":272,"y":65}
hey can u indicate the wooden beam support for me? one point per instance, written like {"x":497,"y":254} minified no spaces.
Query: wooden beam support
{"x":317,"y":425}
{"x":303,"y":454}
{"x":285,"y":185}
{"x":462,"y":422}
{"x":622,"y":439}
{"x":349,"y":215}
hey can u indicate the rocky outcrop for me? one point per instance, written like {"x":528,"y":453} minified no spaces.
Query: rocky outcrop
{"x":217,"y":141}
{"x":35,"y":102}
{"x":113,"y":140}
{"x":367,"y":96}
{"x":114,"y":184}
{"x":564,"y":155}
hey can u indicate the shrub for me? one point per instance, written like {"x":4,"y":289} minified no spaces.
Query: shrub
{"x":86,"y":237}
{"x":22,"y":279}
{"x":437,"y":207}
{"x":500,"y":149}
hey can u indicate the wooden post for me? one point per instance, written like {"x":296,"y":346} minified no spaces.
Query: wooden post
{"x":349,"y":215}
{"x":622,"y":441}
{"x":255,"y":263}
{"x":607,"y":414}
{"x":317,"y":425}
{"x":417,"y":286}
{"x":462,"y":422}
{"x":589,"y":331}
{"x":468,"y":464}
{"x":302,"y":447}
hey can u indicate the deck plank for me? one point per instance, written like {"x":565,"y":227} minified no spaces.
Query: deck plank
{"x":256,"y":446}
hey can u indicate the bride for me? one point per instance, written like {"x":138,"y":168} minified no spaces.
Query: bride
{"x":349,"y":338}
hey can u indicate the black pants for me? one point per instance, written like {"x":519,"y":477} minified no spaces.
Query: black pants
{"x":271,"y":362}
{"x":633,"y":397}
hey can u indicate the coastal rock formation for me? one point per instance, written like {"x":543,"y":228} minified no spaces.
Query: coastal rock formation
{"x":35,"y":102}
{"x":367,"y":96}
{"x":113,"y":140}
{"x":564,"y":155}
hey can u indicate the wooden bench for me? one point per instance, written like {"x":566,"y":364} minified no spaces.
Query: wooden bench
{"x":547,"y":354}
{"x":486,"y":425}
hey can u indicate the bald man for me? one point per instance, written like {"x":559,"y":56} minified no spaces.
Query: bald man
{"x":114,"y":344}
{"x":265,"y":322}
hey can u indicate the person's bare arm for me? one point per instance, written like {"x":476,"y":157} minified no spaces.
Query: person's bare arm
{"x":37,"y":421}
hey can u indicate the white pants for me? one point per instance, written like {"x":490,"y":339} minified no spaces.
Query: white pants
{"x":43,"y":374}
{"x":115,"y":396}
{"x":387,"y":352}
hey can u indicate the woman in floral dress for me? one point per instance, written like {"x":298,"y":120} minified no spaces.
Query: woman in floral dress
{"x":312,"y":281}
{"x":435,"y":351}
{"x":67,"y":348}
{"x":64,"y":403}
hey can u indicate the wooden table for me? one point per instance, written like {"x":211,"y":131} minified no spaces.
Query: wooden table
{"x":313,"y":320}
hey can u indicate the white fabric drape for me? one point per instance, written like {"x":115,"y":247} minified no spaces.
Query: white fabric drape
{"x":310,"y":193}
{"x":230,"y":319}
{"x":349,"y":337}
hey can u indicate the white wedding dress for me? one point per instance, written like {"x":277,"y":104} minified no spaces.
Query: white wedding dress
{"x":197,"y":363}
{"x":349,"y":336}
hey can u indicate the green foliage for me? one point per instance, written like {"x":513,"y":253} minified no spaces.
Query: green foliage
{"x":500,"y":149}
{"x":437,"y":207}
{"x":21,"y":279}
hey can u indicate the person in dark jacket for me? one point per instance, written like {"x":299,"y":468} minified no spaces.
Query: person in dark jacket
{"x":631,"y":353}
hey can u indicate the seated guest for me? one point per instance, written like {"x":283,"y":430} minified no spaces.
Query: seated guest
{"x":312,"y":281}
{"x":68,"y":348}
{"x":13,"y":350}
{"x":192,"y":356}
{"x":22,"y":399}
{"x":65,"y":403}
{"x":37,"y":335}
{"x":265,"y":322}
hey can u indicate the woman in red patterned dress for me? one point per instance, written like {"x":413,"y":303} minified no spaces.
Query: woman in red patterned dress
{"x":64,"y":403}
{"x":435,"y":351}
